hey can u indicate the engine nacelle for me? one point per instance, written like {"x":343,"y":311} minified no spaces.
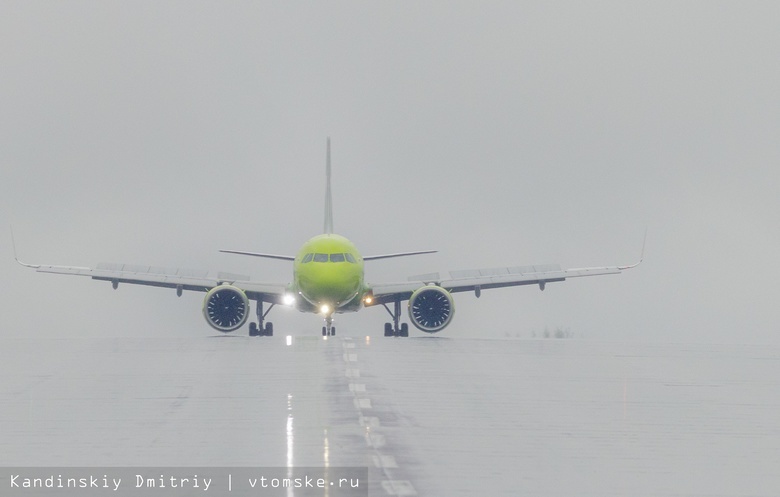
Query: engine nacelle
{"x":226,"y":308}
{"x":431,"y":308}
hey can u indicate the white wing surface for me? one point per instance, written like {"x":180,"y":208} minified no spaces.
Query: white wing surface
{"x":175,"y":278}
{"x":476,"y":280}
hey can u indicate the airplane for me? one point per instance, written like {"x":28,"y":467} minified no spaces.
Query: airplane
{"x":328,"y":278}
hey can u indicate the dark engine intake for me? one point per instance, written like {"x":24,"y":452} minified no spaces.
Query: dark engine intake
{"x":226,"y":308}
{"x":431,"y":308}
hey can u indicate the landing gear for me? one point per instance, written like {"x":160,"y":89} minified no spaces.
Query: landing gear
{"x":403,"y":330}
{"x":258,"y":329}
{"x":396,"y":329}
{"x":328,"y":329}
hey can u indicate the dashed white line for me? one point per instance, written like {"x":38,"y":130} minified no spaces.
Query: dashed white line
{"x":384,"y":461}
{"x":369,"y":421}
{"x":398,"y":487}
{"x":375,"y":440}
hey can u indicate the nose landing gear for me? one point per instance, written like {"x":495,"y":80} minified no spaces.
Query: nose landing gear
{"x":329,"y":330}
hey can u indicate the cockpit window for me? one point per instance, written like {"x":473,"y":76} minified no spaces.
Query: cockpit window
{"x":329,"y":257}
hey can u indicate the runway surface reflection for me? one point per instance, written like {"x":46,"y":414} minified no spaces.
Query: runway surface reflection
{"x":427,"y":416}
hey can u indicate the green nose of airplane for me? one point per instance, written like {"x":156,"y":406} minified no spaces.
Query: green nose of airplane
{"x":328,"y":271}
{"x":331,"y":284}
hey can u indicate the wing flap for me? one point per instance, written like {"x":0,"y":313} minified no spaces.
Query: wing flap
{"x":502,"y":271}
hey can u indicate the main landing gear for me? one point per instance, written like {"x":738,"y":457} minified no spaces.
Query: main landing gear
{"x":395,"y":329}
{"x":258,"y":329}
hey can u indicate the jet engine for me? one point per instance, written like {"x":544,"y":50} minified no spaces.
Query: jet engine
{"x":226,"y":308}
{"x":431,"y":308}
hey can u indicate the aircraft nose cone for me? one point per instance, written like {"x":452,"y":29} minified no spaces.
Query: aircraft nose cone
{"x":333,"y":287}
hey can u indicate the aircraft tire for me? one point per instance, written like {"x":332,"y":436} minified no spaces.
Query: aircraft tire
{"x":388,"y":329}
{"x":324,"y":331}
{"x":404,"y":330}
{"x":253,"y":330}
{"x":269,"y":329}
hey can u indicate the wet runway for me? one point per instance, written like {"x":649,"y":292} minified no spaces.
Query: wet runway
{"x":427,"y":416}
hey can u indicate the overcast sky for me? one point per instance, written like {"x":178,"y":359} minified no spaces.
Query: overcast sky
{"x":499,"y":133}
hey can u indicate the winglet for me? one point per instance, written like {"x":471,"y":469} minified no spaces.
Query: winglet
{"x":328,"y":197}
{"x":641,"y":256}
{"x":13,"y":242}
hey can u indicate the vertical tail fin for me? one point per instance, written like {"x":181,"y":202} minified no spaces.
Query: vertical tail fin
{"x":328,"y":198}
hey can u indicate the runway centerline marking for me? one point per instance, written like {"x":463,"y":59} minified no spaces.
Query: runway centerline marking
{"x":363,"y":403}
{"x":369,"y":421}
{"x":398,"y":487}
{"x":375,"y":440}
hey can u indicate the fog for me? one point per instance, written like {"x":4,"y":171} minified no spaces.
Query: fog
{"x":499,"y":133}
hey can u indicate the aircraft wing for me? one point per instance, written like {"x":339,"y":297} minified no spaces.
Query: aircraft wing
{"x":175,"y":278}
{"x":476,"y":280}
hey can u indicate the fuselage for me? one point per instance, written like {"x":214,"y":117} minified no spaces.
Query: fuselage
{"x":328,"y":275}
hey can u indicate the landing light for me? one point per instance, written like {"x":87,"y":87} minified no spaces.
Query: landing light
{"x":368,"y":299}
{"x":325,"y":309}
{"x":288,"y":299}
